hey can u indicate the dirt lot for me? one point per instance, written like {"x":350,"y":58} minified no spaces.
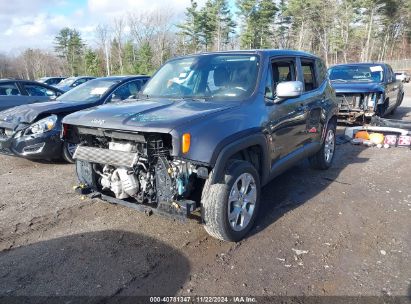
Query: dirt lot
{"x":346,"y":231}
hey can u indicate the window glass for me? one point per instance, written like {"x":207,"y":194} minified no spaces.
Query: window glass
{"x":9,"y":89}
{"x":269,"y":93}
{"x":128,"y":90}
{"x":91,"y":91}
{"x":282,"y":71}
{"x":211,"y":77}
{"x":357,"y":73}
{"x":79,"y":81}
{"x":309,"y":75}
{"x":321,"y":71}
{"x":36,"y":90}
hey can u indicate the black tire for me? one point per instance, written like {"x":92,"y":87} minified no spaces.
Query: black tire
{"x":319,"y":160}
{"x":215,"y":202}
{"x":67,"y":155}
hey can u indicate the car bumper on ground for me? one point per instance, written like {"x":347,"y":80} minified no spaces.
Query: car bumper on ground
{"x":40,"y":146}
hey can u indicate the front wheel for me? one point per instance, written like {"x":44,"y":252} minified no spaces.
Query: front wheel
{"x":68,"y":152}
{"x":323,"y":159}
{"x":230,"y":208}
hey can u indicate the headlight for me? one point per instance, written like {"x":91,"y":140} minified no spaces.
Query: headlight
{"x":43,"y":125}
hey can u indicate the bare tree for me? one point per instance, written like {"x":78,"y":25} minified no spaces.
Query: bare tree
{"x":103,"y":40}
{"x":118,"y":32}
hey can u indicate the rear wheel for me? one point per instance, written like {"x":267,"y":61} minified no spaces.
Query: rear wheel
{"x":68,"y":152}
{"x":323,"y":159}
{"x":230,"y":208}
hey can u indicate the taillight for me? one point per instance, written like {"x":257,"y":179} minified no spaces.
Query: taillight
{"x":64,"y":131}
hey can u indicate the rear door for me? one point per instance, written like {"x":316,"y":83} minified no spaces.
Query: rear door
{"x":11,"y":95}
{"x":313,"y":75}
{"x":285,"y":120}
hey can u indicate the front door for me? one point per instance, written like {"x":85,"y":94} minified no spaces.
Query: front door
{"x":285,"y":118}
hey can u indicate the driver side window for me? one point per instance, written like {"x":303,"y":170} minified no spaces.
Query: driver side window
{"x":127,"y":90}
{"x":281,"y":71}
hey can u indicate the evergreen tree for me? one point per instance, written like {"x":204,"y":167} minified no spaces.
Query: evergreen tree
{"x":225,"y":25}
{"x":191,"y":28}
{"x":144,"y":60}
{"x":208,"y":23}
{"x":69,"y":45}
{"x":92,"y":63}
{"x":257,"y":20}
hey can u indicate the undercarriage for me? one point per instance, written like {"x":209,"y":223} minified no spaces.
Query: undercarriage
{"x":137,"y":170}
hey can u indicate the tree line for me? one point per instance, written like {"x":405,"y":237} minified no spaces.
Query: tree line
{"x":138,"y":43}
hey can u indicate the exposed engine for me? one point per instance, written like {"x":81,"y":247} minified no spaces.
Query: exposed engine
{"x":141,"y":171}
{"x":355,"y":105}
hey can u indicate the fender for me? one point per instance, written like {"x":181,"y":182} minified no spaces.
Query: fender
{"x":256,"y":139}
{"x":333,"y":116}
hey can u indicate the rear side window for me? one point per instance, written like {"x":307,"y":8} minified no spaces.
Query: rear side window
{"x":36,"y":90}
{"x":321,"y":71}
{"x":79,"y":81}
{"x":9,"y":89}
{"x":310,"y":82}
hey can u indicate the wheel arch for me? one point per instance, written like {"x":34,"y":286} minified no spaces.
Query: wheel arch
{"x":243,"y":148}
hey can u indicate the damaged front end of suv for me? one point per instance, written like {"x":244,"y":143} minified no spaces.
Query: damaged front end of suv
{"x":359,"y":106}
{"x":135,"y":170}
{"x":365,"y":90}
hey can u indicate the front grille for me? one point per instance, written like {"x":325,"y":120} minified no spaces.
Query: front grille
{"x":106,"y":156}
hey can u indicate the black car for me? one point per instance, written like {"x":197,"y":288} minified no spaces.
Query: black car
{"x":19,"y":92}
{"x":365,"y":89}
{"x":33,"y":131}
{"x":51,"y":80}
{"x":207,"y":132}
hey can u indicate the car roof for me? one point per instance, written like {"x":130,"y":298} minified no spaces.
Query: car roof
{"x":359,"y":63}
{"x":264,"y":52}
{"x":124,"y":77}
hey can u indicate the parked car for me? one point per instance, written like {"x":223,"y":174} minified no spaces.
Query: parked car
{"x":72,"y":82}
{"x":207,"y":132}
{"x":33,"y":131}
{"x":51,"y":80}
{"x":364,"y":90}
{"x":15,"y":92}
{"x":402,"y":76}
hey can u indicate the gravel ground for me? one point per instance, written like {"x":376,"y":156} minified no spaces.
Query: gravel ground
{"x":342,"y":232}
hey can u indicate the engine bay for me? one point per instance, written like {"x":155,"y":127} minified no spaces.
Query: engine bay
{"x":354,"y":106}
{"x":138,"y":171}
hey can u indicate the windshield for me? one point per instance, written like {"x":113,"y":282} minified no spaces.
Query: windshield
{"x":67,"y":81}
{"x":217,"y":77}
{"x":357,"y":73}
{"x":91,"y":91}
{"x":43,"y":79}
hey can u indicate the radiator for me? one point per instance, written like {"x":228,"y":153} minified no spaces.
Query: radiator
{"x":106,"y":156}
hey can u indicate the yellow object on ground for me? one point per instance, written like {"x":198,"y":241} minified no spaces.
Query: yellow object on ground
{"x":362,"y":135}
{"x":377,"y":138}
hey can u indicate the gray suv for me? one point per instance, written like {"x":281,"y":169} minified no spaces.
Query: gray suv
{"x":206,"y":133}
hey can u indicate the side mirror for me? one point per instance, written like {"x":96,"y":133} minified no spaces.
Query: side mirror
{"x":289,"y":89}
{"x":50,"y":93}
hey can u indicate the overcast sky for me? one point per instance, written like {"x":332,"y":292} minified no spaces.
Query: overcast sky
{"x":35,"y":23}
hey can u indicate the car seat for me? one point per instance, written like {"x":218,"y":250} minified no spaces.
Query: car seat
{"x":221,"y":76}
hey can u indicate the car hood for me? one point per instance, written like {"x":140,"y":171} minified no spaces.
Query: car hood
{"x":355,"y":87}
{"x":27,"y":114}
{"x":153,"y":115}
